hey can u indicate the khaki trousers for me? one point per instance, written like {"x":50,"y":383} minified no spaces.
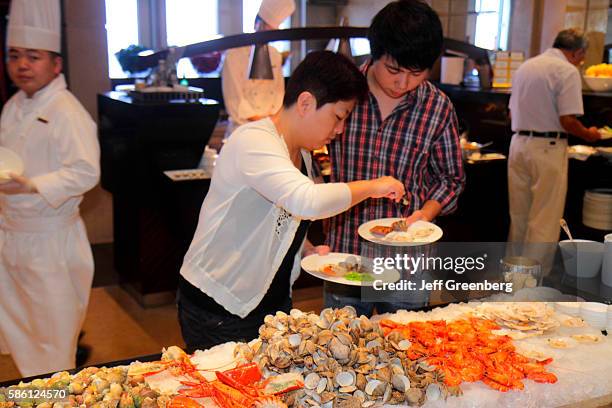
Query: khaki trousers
{"x":537,"y":185}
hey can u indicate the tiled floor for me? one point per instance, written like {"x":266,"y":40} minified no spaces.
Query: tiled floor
{"x":117,"y":327}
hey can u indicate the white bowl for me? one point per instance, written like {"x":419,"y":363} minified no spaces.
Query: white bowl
{"x":10,"y":162}
{"x":599,"y":84}
{"x":582,"y":257}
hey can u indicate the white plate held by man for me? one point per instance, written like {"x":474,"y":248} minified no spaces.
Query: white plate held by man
{"x":394,"y":232}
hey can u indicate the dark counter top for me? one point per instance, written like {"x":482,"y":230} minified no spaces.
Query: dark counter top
{"x":505,"y":91}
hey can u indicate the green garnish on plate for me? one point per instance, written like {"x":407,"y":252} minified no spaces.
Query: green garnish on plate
{"x":356,"y":276}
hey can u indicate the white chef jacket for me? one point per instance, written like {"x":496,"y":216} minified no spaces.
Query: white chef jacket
{"x":544,"y":88}
{"x":46,"y":265}
{"x":245,"y":98}
{"x":248,"y":220}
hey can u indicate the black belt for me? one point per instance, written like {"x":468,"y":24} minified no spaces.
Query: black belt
{"x":554,"y":135}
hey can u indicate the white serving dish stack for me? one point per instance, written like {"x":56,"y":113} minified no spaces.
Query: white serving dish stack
{"x":568,"y":308}
{"x":609,"y":323}
{"x":595,"y":314}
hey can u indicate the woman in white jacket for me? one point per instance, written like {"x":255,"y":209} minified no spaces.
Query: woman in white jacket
{"x":251,"y":234}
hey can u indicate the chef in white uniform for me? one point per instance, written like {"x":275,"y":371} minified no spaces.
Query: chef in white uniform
{"x":546,"y":99}
{"x":247,"y":99}
{"x":46,"y":264}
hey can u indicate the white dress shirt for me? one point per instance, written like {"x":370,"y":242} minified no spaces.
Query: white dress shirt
{"x":248,"y":220}
{"x":544,"y":88}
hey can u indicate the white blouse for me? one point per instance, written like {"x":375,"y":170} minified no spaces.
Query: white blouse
{"x":249,"y":217}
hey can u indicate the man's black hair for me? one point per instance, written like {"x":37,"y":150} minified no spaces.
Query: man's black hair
{"x":571,"y":39}
{"x":330,"y":77}
{"x":409,"y":31}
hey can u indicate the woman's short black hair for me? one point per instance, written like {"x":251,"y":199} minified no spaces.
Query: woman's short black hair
{"x":409,"y":31}
{"x":330,"y":77}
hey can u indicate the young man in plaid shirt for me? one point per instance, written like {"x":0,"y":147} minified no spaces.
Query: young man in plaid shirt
{"x":407,"y":128}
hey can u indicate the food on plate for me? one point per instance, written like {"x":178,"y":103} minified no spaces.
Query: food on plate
{"x":560,"y":343}
{"x":528,"y":317}
{"x":359,"y":277}
{"x":587,"y":338}
{"x":380,"y":230}
{"x":349,"y":269}
{"x":573,"y":322}
{"x":600,"y":71}
{"x":465,"y":145}
{"x":401,"y":231}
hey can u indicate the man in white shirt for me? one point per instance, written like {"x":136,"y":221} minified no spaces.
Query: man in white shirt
{"x":546,"y":99}
{"x":46,"y":264}
{"x":245,"y":99}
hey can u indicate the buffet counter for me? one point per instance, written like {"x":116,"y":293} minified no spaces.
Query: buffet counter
{"x":464,"y":355}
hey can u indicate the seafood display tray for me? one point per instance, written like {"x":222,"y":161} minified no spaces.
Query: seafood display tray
{"x":583,"y":372}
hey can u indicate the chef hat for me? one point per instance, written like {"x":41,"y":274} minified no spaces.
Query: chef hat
{"x":274,"y":12}
{"x":34,"y":24}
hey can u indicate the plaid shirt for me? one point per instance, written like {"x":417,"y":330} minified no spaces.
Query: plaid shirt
{"x":417,"y":143}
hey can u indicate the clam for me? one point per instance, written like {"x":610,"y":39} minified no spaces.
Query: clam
{"x":311,"y":381}
{"x":360,"y":381}
{"x":326,"y":318}
{"x":373,"y":345}
{"x":345,"y":338}
{"x":295,"y":340}
{"x":322,"y":385}
{"x":338,"y":326}
{"x":327,"y":397}
{"x":266,"y":333}
{"x":400,"y":382}
{"x":324,"y":337}
{"x":414,"y":396}
{"x":339,"y":351}
{"x":296,"y":313}
{"x":360,"y":395}
{"x":426,"y":366}
{"x":283,"y":360}
{"x":312,"y":403}
{"x":396,"y":398}
{"x":366,"y":325}
{"x":375,"y":388}
{"x":362,"y":357}
{"x":313,"y":395}
{"x":364,"y":369}
{"x":345,"y":378}
{"x":384,"y":374}
{"x":387,"y":395}
{"x":308,"y":362}
{"x":347,"y":390}
{"x":433,"y":392}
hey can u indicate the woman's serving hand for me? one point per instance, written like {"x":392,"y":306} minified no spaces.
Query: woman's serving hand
{"x":388,"y":187}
